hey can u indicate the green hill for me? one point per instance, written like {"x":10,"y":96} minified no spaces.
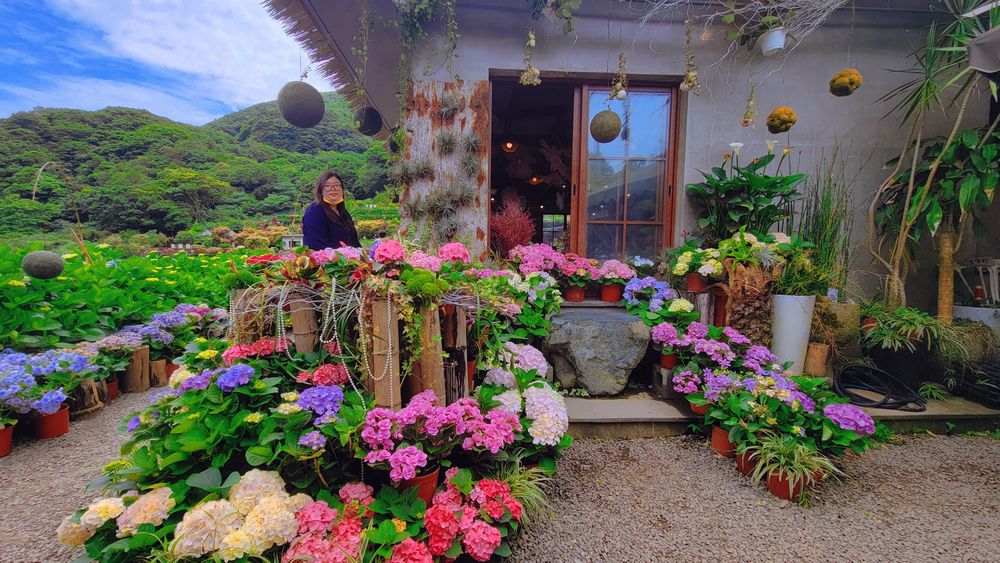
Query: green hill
{"x":121,"y":169}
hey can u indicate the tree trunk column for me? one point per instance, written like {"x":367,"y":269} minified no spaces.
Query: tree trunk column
{"x":946,"y":272}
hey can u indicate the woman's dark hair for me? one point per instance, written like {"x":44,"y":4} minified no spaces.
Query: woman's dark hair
{"x":339,"y":216}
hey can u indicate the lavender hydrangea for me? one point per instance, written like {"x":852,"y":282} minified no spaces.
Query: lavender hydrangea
{"x":170,"y":319}
{"x":850,"y":417}
{"x":200,"y":381}
{"x":234,"y":377}
{"x":121,"y":341}
{"x":639,"y":287}
{"x":321,"y":399}
{"x":156,"y":334}
{"x":313,"y":440}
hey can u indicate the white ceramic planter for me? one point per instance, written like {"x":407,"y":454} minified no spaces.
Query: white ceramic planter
{"x":790,"y":329}
{"x":772,"y":41}
{"x":987,"y":315}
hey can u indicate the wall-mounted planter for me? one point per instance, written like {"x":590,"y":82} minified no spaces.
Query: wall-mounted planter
{"x":772,"y":41}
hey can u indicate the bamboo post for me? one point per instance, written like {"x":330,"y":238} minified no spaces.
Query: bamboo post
{"x":137,"y":373}
{"x":305,"y":328}
{"x":383,"y":380}
{"x":157,"y":373}
{"x":431,"y":374}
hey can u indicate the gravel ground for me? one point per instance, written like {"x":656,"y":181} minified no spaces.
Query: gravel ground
{"x":41,"y":481}
{"x":924,"y":499}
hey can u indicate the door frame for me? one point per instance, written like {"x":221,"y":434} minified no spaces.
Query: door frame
{"x":668,"y":178}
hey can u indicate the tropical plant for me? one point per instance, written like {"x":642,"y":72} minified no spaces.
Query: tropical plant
{"x":904,"y":328}
{"x":743,"y":197}
{"x":789,"y":458}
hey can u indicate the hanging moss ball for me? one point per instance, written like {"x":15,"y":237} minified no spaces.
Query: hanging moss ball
{"x":368,"y":120}
{"x":606,"y":126}
{"x":845,"y":82}
{"x":42,"y":264}
{"x":781,"y":119}
{"x":301,"y":104}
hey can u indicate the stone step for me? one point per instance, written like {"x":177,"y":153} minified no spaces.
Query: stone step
{"x":642,"y":416}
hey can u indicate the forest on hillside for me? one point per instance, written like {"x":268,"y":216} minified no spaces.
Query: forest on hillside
{"x":121,"y":169}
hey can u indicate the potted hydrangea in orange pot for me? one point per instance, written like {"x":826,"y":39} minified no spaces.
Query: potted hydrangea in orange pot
{"x":576,"y":272}
{"x":612,"y":276}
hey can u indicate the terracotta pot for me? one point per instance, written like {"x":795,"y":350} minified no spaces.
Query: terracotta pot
{"x":721,"y":443}
{"x":112,"y":385}
{"x":448,"y":310}
{"x":696,"y":282}
{"x":6,"y":439}
{"x":574,"y":294}
{"x":868,"y":323}
{"x":53,"y":425}
{"x":171,"y":368}
{"x":780,"y":486}
{"x":668,"y":361}
{"x":744,"y":464}
{"x":471,"y":365}
{"x":611,"y":293}
{"x":719,"y":307}
{"x":700,"y":410}
{"x":426,"y":485}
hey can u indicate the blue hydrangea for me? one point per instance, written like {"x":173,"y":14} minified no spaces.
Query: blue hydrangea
{"x":322,"y":399}
{"x":170,"y":319}
{"x":234,"y":377}
{"x":50,"y":402}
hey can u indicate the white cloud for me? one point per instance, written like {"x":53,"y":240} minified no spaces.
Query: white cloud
{"x":94,"y":93}
{"x":232,"y":50}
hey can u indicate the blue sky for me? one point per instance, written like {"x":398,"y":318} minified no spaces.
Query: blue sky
{"x":189,"y":60}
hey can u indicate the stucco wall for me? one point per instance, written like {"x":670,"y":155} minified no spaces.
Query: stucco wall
{"x":493,"y":38}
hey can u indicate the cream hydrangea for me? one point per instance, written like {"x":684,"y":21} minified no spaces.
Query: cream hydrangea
{"x":102,"y":510}
{"x":254,"y":486}
{"x":179,"y":376}
{"x":680,"y":306}
{"x":270,"y":523}
{"x":150,"y":508}
{"x":203,"y":528}
{"x":547,"y":411}
{"x":74,"y":534}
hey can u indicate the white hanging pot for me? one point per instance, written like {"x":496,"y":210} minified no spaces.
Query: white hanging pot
{"x":790,"y":329}
{"x":772,"y":41}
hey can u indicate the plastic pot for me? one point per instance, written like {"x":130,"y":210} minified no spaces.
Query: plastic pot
{"x":696,"y":282}
{"x":700,"y":410}
{"x":426,"y":484}
{"x":574,"y":294}
{"x":772,"y":41}
{"x":112,"y":385}
{"x":53,"y":425}
{"x":781,"y":487}
{"x":721,"y":443}
{"x":790,"y":329}
{"x":611,"y":293}
{"x":745,"y":464}
{"x":6,"y":439}
{"x":668,"y":361}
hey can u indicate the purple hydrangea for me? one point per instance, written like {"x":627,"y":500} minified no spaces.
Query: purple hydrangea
{"x":133,"y":423}
{"x":322,"y":399}
{"x":200,"y":381}
{"x":735,"y":336}
{"x":170,"y":319}
{"x":850,"y":417}
{"x":234,"y":377}
{"x":313,"y":440}
{"x":156,"y":334}
{"x":50,"y":402}
{"x":805,"y":401}
{"x":121,"y":341}
{"x":637,"y":287}
{"x":371,"y":251}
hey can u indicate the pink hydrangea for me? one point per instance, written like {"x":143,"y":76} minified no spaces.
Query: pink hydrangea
{"x":495,"y":498}
{"x":665,"y":334}
{"x":346,"y":536}
{"x":411,"y":551}
{"x":357,"y":496}
{"x":323,"y":256}
{"x":312,"y":547}
{"x":448,"y":498}
{"x":316,"y":516}
{"x":454,"y":252}
{"x":389,"y":251}
{"x":613,"y":270}
{"x":442,"y":526}
{"x":536,"y":258}
{"x":424,"y":261}
{"x":481,"y":541}
{"x":496,"y":432}
{"x":326,"y":374}
{"x":377,"y":429}
{"x":527,"y":357}
{"x":403,"y":463}
{"x":349,"y":252}
{"x":500,"y":376}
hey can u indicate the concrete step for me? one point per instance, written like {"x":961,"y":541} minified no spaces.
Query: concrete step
{"x":641,"y":415}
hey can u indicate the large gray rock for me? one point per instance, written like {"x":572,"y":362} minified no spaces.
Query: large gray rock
{"x":596,"y":349}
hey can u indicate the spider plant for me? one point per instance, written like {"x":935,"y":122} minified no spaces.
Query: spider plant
{"x":784,"y":456}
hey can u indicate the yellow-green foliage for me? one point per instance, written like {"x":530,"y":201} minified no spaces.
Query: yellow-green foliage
{"x":845,"y":82}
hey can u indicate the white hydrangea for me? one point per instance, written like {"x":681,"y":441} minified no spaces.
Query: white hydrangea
{"x":500,"y":376}
{"x":254,"y":486}
{"x":510,"y":401}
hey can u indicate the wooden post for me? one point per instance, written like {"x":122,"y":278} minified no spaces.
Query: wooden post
{"x":157,"y":373}
{"x":305,"y":328}
{"x":431,"y":373}
{"x":88,"y":397}
{"x":384,"y":369}
{"x":137,"y":373}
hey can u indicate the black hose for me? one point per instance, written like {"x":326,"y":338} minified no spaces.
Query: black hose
{"x":894,"y":394}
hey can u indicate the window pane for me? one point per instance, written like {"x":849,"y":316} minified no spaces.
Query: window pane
{"x":647,"y":123}
{"x":643,"y":240}
{"x":599,"y":102}
{"x":605,"y":190}
{"x":554,"y":230}
{"x":604,"y":241}
{"x":644,"y":189}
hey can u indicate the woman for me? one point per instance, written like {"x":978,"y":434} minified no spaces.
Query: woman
{"x":326,"y":223}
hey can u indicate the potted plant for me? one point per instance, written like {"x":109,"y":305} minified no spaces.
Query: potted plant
{"x":794,"y":298}
{"x":7,"y":422}
{"x":789,"y":466}
{"x":114,"y":355}
{"x":576,"y":272}
{"x":612,"y":276}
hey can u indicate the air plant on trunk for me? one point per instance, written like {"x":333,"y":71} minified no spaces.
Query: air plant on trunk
{"x":449,"y":105}
{"x":446,"y":142}
{"x":471,"y":164}
{"x":423,"y":170}
{"x":471,"y":143}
